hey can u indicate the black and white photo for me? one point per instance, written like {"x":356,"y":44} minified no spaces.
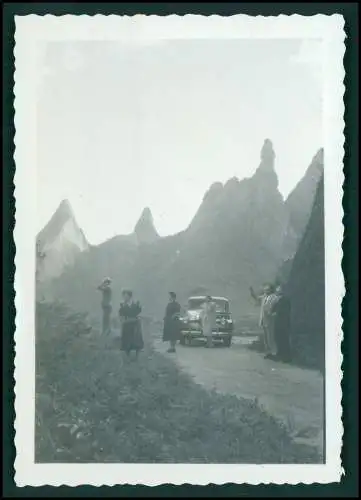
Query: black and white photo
{"x":178,"y":249}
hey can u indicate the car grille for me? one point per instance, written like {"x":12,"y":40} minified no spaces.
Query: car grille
{"x":222,"y":324}
{"x":194,"y":325}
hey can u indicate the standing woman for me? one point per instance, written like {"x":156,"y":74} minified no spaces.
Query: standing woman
{"x":171,"y":330}
{"x":208,"y":319}
{"x":131,"y":333}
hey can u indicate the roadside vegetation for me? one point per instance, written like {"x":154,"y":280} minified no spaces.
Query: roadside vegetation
{"x":93,"y":406}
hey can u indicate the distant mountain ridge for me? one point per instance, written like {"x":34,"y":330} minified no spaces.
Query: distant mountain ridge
{"x":235,"y":240}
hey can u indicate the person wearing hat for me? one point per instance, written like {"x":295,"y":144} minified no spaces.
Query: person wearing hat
{"x":106,"y":304}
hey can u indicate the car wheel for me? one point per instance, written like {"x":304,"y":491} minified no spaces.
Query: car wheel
{"x":182,"y":340}
{"x":227,"y":341}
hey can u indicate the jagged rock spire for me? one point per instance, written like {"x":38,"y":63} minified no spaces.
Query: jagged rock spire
{"x":265,"y":174}
{"x":59,"y":242}
{"x":63,"y":213}
{"x":144,"y":228}
{"x":267,"y":155}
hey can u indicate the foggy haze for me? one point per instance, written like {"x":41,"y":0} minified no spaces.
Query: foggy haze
{"x":121,"y":127}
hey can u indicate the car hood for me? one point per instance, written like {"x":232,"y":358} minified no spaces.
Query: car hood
{"x":193,"y":312}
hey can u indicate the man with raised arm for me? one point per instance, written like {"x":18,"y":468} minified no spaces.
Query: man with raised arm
{"x":106,"y":304}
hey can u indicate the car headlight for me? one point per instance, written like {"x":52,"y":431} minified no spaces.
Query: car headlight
{"x":193,"y":317}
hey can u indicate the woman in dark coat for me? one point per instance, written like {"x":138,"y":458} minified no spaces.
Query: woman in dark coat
{"x":281,"y":312}
{"x":171,"y":330}
{"x":131,"y":332}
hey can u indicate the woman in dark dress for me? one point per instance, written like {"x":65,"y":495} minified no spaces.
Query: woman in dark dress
{"x":131,"y":332}
{"x":171,"y":330}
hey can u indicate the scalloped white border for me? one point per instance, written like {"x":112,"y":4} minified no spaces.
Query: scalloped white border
{"x":31,"y":29}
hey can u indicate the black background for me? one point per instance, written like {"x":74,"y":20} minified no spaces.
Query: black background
{"x":349,"y":484}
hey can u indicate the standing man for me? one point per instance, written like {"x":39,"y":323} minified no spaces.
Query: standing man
{"x":171,"y":330}
{"x":106,"y":290}
{"x":208,"y":319}
{"x":264,"y":300}
{"x":269,"y":323}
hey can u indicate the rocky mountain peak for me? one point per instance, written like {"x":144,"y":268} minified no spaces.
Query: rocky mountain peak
{"x":319,"y":157}
{"x":316,"y":167}
{"x":267,"y":154}
{"x":61,"y":216}
{"x":299,"y":202}
{"x":65,"y":207}
{"x":240,"y":201}
{"x":64,"y":211}
{"x":265,"y":175}
{"x":59,"y":242}
{"x":144,"y":228}
{"x":214,"y":191}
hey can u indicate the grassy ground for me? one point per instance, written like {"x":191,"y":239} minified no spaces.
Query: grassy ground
{"x":93,"y":406}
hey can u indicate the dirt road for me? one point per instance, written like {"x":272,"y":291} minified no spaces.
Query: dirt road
{"x":290,"y":394}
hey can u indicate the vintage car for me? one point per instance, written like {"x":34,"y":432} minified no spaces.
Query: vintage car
{"x":191,"y":326}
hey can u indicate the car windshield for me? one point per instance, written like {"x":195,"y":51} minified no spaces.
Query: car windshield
{"x":221,"y":305}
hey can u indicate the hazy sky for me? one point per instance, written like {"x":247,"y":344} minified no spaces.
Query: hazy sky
{"x":123,"y":126}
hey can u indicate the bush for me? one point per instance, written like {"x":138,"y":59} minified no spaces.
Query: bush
{"x":94,"y":406}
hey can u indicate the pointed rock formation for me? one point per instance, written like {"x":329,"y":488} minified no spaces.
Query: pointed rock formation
{"x":243,"y":199}
{"x":299,"y":204}
{"x":144,"y":230}
{"x":267,"y":157}
{"x":300,"y":201}
{"x":236,"y":236}
{"x":58,"y":243}
{"x":266,"y":170}
{"x":306,"y":288}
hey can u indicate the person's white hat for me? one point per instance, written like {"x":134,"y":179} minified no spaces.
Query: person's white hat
{"x":107,"y":280}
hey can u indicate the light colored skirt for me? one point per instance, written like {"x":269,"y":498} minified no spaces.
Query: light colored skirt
{"x":269,"y":335}
{"x":207,"y":330}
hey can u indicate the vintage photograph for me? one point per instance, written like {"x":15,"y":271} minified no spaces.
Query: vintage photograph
{"x":175,"y":188}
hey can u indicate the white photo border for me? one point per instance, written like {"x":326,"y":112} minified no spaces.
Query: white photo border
{"x":32,"y":29}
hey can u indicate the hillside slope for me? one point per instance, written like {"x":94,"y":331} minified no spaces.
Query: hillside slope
{"x":306,"y":288}
{"x":299,"y":204}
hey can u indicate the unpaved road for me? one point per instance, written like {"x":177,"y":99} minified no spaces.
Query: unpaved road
{"x":290,"y":394}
